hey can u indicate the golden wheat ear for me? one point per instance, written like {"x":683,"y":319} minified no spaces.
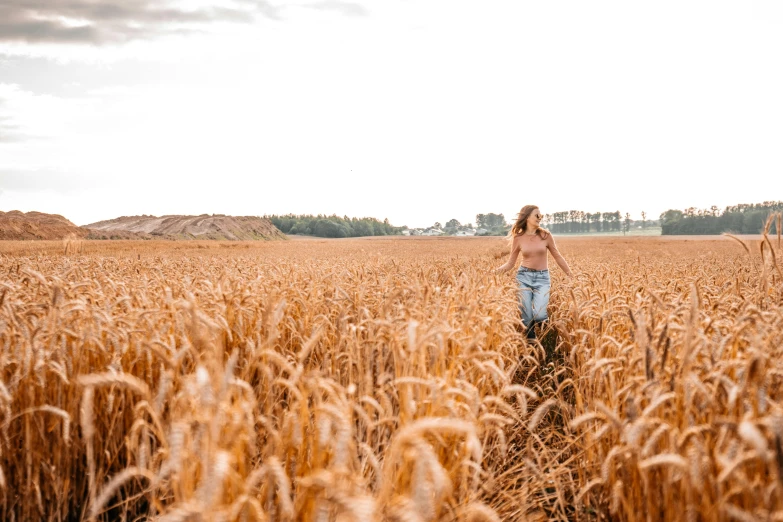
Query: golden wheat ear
{"x":738,"y":240}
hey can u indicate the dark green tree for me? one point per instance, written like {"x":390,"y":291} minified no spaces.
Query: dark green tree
{"x":670,"y":221}
{"x":333,"y":226}
{"x":490,"y":221}
{"x":595,"y":220}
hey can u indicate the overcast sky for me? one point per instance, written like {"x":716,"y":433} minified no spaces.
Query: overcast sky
{"x":412,"y":110}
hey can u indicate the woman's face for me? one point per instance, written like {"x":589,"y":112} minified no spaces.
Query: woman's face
{"x":534,"y":219}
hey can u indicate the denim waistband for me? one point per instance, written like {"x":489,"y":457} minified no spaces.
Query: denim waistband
{"x":526,"y":269}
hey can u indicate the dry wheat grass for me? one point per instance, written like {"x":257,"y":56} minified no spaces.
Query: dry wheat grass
{"x":389,"y":380}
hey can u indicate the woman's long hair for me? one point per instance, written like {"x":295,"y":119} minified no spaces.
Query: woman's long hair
{"x":520,"y":225}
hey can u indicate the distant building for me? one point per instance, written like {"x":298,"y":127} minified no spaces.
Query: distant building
{"x":432,"y":232}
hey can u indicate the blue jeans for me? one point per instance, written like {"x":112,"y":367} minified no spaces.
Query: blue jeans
{"x":533,"y":294}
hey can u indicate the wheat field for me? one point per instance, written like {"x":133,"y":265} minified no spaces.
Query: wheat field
{"x":389,"y":380}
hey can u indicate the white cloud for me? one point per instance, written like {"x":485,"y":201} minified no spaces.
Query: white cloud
{"x":41,"y":116}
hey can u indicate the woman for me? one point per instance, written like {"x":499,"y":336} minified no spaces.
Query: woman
{"x":532,"y":241}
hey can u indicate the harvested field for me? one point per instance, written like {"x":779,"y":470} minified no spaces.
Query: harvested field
{"x":389,"y":379}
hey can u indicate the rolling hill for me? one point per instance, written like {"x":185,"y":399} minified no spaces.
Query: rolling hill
{"x":205,"y":226}
{"x":16,"y":225}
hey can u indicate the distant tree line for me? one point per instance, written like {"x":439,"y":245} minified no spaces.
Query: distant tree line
{"x":737,"y":219}
{"x":333,"y":226}
{"x":568,"y":222}
{"x":581,"y":222}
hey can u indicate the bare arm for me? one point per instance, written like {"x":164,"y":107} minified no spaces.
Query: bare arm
{"x":561,"y":262}
{"x":512,"y":260}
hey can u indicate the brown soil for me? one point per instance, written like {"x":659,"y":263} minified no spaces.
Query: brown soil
{"x":16,"y":225}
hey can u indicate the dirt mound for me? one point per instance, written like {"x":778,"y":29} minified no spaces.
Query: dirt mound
{"x":119,"y":234}
{"x":205,"y":226}
{"x":17,"y":225}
